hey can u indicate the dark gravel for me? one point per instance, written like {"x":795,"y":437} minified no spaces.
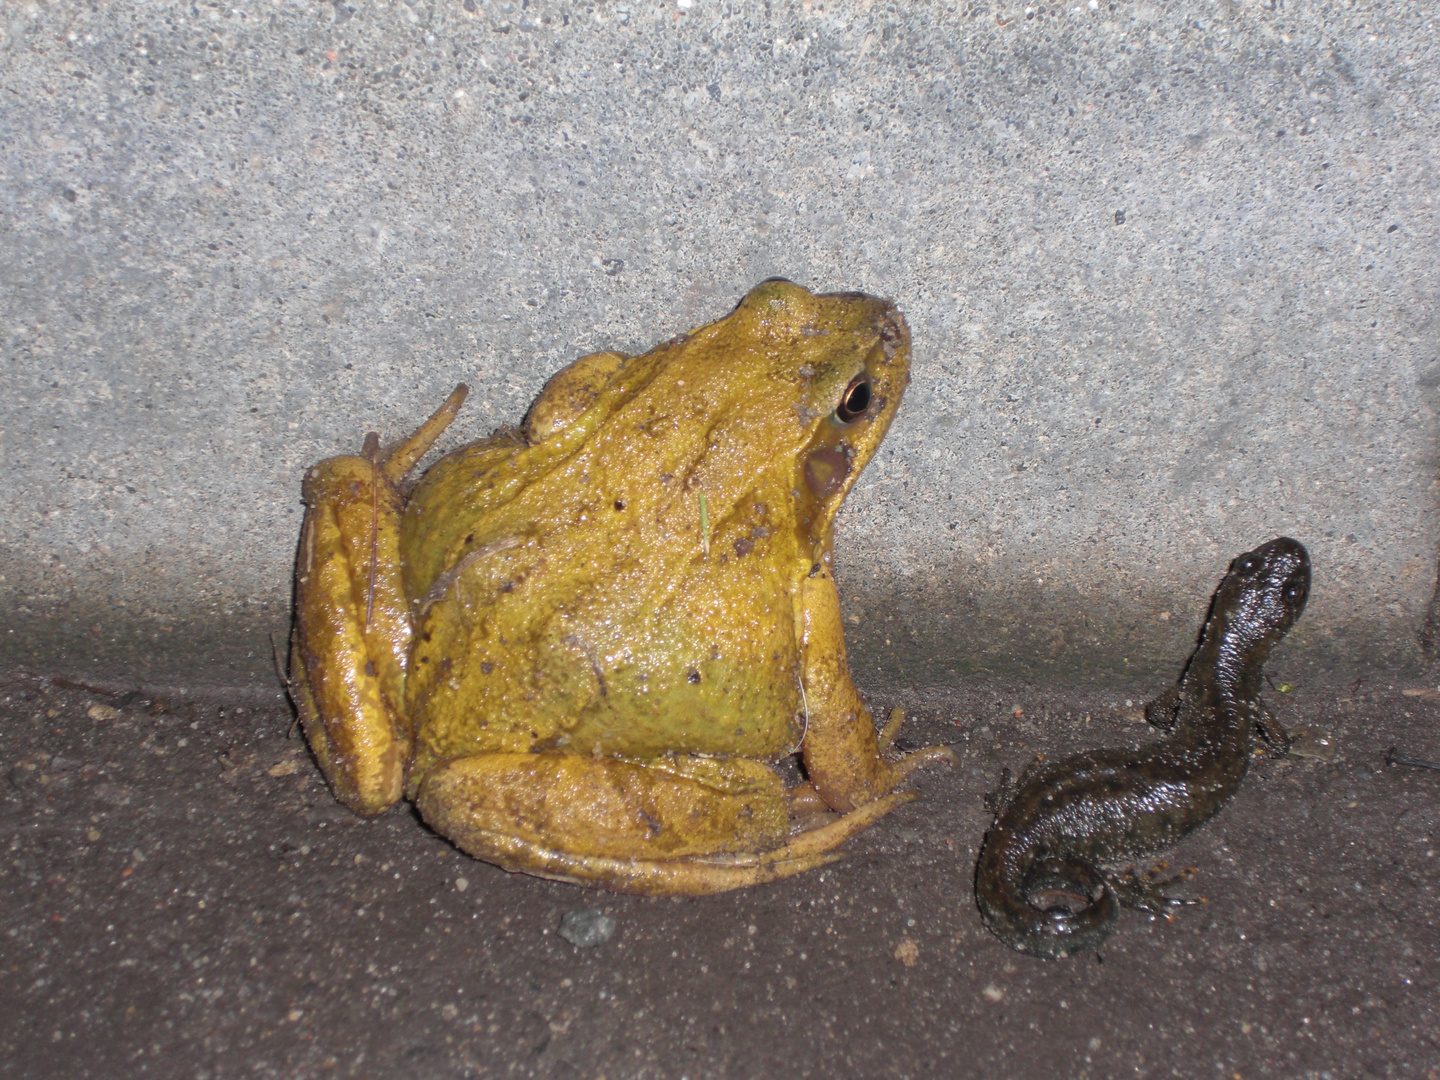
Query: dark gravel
{"x":183,"y":898}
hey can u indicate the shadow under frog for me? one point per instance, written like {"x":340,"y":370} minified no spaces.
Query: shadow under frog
{"x":580,"y":647}
{"x":1041,"y":883}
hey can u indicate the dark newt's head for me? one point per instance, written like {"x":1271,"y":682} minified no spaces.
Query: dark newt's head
{"x":1261,"y":598}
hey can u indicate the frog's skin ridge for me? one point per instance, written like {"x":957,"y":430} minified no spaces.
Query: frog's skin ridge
{"x":579,"y":646}
{"x":1055,"y":832}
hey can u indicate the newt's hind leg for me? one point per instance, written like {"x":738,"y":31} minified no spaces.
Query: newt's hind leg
{"x":1146,"y":892}
{"x":352,"y":631}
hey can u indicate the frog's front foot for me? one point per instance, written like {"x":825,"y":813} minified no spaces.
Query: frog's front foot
{"x":668,"y":826}
{"x":912,"y":761}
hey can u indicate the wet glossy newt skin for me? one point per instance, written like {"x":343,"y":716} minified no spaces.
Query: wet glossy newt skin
{"x":1041,"y":882}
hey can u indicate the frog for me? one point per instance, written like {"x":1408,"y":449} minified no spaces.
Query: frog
{"x":1044,"y":881}
{"x":585,"y":648}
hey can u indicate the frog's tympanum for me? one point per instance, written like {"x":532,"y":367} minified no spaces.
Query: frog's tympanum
{"x":579,"y":647}
{"x":1041,"y":882}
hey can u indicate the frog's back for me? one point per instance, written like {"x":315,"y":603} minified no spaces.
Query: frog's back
{"x":605,"y":609}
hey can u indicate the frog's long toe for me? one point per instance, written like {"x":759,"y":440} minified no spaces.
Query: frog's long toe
{"x":910,"y":762}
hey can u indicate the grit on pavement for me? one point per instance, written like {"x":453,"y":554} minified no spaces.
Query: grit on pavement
{"x":185,"y":899}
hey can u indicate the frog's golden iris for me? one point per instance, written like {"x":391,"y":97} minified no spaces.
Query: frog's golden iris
{"x":579,"y":646}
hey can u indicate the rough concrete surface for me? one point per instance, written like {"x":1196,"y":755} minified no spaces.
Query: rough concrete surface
{"x":184,"y":899}
{"x":1170,"y":270}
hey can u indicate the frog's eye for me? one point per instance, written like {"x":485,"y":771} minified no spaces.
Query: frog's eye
{"x":855,"y":400}
{"x":1293,"y":591}
{"x":1248,"y":565}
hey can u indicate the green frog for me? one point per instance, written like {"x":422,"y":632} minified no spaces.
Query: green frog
{"x":581,"y":647}
{"x":1041,"y":882}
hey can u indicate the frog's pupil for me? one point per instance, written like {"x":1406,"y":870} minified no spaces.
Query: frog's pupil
{"x":855,"y":400}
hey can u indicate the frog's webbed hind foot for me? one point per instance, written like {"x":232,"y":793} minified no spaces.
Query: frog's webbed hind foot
{"x":699,"y":875}
{"x":805,"y":851}
{"x":1147,"y":892}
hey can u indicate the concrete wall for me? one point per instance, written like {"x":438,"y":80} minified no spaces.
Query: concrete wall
{"x":1170,"y":270}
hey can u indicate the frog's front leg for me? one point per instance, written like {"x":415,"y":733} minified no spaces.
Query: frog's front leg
{"x":841,"y":750}
{"x":668,"y":826}
{"x":352,"y":631}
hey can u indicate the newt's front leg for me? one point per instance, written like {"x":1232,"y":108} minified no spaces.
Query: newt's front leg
{"x":353,"y":630}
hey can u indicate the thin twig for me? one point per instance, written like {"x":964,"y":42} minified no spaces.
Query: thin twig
{"x":374,"y":537}
{"x":1391,"y":758}
{"x":66,"y":684}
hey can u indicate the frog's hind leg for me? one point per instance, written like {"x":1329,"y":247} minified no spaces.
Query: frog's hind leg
{"x":352,"y":621}
{"x":671,"y":826}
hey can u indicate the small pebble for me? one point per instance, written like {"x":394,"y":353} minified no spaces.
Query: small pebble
{"x":587,"y":927}
{"x":102,"y":712}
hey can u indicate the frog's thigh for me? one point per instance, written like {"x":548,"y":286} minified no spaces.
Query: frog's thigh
{"x":686,"y":826}
{"x":347,"y":632}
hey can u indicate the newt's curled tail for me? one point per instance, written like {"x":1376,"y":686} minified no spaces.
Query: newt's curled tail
{"x":1056,"y":907}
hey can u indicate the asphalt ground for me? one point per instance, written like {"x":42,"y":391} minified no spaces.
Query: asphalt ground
{"x":182,"y":898}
